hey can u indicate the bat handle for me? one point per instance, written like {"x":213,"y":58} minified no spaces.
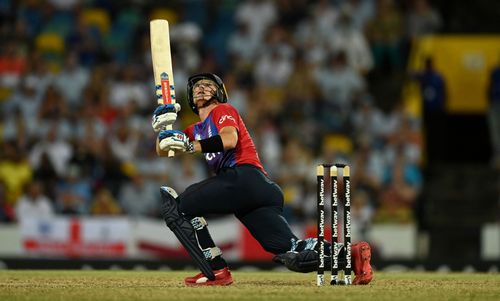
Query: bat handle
{"x":171,"y":153}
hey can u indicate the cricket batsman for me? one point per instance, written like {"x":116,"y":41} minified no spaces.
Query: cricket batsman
{"x":240,"y":186}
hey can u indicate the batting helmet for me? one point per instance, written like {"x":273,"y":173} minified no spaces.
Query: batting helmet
{"x":220,"y":93}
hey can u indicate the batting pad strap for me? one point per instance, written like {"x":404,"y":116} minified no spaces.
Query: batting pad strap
{"x":199,"y":223}
{"x":211,"y":253}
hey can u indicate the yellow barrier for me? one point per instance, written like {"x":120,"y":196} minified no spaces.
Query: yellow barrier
{"x":465,"y":63}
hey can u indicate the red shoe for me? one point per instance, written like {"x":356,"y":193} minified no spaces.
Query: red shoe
{"x":361,"y":253}
{"x":222,"y":277}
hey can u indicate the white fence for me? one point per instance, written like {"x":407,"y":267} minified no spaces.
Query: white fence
{"x":146,"y":238}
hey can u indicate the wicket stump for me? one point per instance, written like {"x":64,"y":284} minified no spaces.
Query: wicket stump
{"x":339,"y":275}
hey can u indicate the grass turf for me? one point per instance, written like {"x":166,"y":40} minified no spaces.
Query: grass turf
{"x":168,"y":285}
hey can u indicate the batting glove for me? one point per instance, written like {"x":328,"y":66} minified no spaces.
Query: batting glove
{"x":175,"y":140}
{"x":164,"y":115}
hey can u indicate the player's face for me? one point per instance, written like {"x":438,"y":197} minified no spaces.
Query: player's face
{"x":203,"y":90}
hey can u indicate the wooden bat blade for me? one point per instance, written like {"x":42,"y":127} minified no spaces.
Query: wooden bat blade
{"x":162,"y":61}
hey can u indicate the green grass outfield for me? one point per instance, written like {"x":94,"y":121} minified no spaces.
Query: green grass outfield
{"x":168,"y":285}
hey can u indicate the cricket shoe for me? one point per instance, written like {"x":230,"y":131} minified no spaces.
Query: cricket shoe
{"x":222,"y":277}
{"x":361,"y":253}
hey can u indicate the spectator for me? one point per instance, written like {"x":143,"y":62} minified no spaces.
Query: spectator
{"x":368,"y":168}
{"x":106,"y":112}
{"x":494,"y":113}
{"x":14,"y":128}
{"x":88,"y":126}
{"x":12,"y":64}
{"x":406,"y":138}
{"x":30,"y":18}
{"x":291,"y":176}
{"x":190,"y":169}
{"x":71,"y":81}
{"x":74,"y":192}
{"x":308,"y":42}
{"x":123,"y":142}
{"x":275,"y":62}
{"x":258,"y":15}
{"x":87,"y":148}
{"x":433,"y":93}
{"x":242,"y":45}
{"x":104,"y":203}
{"x":96,"y":88}
{"x":366,"y":181}
{"x":85,"y":40}
{"x":69,"y":203}
{"x":128,"y":89}
{"x":401,"y":184}
{"x":151,"y":167}
{"x":7,"y":214}
{"x":291,"y":12}
{"x":25,"y":100}
{"x":33,"y":203}
{"x":362,"y":212}
{"x":273,"y":69}
{"x":349,"y":39}
{"x":58,"y":151}
{"x":269,"y":145}
{"x":53,"y":106}
{"x":368,"y":121}
{"x":46,"y":173}
{"x":15,"y":170}
{"x":239,"y":91}
{"x":338,"y":83}
{"x":185,"y":39}
{"x":385,"y":33}
{"x":422,"y":19}
{"x":324,"y":16}
{"x":139,"y":198}
{"x":110,"y":171}
{"x":361,"y":10}
{"x":297,"y":115}
{"x":38,"y":74}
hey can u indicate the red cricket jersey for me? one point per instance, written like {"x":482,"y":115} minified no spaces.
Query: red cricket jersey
{"x":221,"y":116}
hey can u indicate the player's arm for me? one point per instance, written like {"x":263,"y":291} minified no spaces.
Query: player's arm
{"x":176,"y":140}
{"x":227,"y":139}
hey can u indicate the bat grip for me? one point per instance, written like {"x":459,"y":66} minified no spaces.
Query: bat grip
{"x":171,"y":153}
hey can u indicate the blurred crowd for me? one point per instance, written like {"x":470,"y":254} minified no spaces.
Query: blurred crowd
{"x":77,"y":95}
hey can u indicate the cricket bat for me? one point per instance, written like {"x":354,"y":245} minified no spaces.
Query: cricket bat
{"x":162,"y":64}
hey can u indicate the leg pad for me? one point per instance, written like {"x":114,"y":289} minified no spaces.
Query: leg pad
{"x":184,"y":231}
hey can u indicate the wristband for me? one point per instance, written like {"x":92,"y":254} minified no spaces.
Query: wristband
{"x":212,"y":145}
